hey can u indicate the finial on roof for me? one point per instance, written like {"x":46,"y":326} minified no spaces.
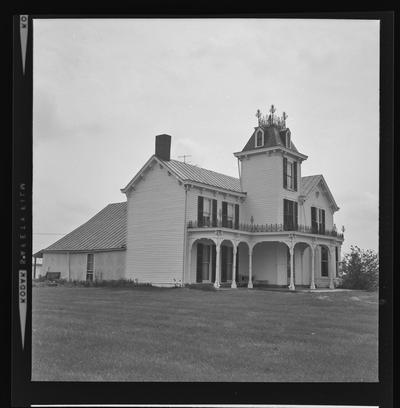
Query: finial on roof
{"x":259,"y":116}
{"x":271,"y":119}
{"x":284,"y":117}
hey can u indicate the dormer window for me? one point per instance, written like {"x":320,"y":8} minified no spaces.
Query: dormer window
{"x":259,"y":138}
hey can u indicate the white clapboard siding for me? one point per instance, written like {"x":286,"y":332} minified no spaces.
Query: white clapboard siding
{"x":109,"y":265}
{"x":155,"y":228}
{"x":319,"y":202}
{"x":192,"y":199}
{"x":262,"y":181}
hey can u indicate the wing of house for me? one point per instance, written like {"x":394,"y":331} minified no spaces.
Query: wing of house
{"x":98,"y":245}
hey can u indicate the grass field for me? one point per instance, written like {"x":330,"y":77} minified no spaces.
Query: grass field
{"x":154,"y":334}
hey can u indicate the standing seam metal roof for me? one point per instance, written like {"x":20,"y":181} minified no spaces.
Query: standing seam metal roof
{"x":189,"y":172}
{"x":106,"y":230}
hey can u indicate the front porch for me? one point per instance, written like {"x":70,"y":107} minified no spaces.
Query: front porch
{"x":232,"y":258}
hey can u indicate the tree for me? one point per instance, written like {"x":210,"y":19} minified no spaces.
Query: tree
{"x":360,"y":269}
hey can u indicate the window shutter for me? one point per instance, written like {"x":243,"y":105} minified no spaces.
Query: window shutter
{"x":322,"y":221}
{"x":214,"y":213}
{"x":284,"y":172}
{"x":295,"y":219}
{"x":295,"y":176}
{"x":314,"y":223}
{"x":285,"y":216}
{"x":224,"y":214}
{"x":236,"y":216}
{"x":199,"y":271}
{"x":200,"y":201}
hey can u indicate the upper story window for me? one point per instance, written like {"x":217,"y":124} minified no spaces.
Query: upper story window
{"x":206,"y":212}
{"x":90,"y":267}
{"x":230,"y":215}
{"x":289,"y":174}
{"x":259,"y":138}
{"x":317,"y":220}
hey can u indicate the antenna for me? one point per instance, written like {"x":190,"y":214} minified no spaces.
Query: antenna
{"x":184,"y":157}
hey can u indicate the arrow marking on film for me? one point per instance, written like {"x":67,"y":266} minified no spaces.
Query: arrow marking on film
{"x":23,"y":27}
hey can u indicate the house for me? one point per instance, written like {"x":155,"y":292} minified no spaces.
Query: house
{"x":184,"y":224}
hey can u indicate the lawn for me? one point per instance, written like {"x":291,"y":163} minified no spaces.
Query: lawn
{"x":182,"y":334}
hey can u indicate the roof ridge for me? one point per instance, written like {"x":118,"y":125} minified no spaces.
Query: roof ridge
{"x":312,"y":175}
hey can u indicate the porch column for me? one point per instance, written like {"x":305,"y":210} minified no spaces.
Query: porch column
{"x":217,"y":265}
{"x":332,"y":267}
{"x":291,"y":250}
{"x":189,"y":264}
{"x":233,"y":285}
{"x":313,"y":249}
{"x":250,"y":284}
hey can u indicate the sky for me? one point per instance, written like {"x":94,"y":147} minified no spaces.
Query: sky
{"x":104,"y":88}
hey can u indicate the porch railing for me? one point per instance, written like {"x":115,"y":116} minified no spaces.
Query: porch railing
{"x":262,"y":227}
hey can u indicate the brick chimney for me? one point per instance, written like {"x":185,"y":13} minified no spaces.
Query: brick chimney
{"x":163,"y":147}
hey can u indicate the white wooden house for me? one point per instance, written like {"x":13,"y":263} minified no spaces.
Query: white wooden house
{"x":184,"y":224}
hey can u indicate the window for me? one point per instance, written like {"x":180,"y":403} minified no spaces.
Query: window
{"x":228,"y":214}
{"x":231,"y":215}
{"x":290,"y":215}
{"x":324,"y":261}
{"x":206,"y":212}
{"x":321,"y":221}
{"x":90,"y":267}
{"x":259,"y":138}
{"x":317,"y":220}
{"x":289,"y":174}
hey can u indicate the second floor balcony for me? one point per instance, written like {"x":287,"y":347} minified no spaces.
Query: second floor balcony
{"x":206,"y":222}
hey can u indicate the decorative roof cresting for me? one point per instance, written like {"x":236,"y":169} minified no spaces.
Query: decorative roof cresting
{"x":272,"y":119}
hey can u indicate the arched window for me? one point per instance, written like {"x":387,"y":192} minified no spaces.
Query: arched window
{"x":259,"y":138}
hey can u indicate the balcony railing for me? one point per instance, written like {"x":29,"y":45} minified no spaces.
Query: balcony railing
{"x":263,"y":227}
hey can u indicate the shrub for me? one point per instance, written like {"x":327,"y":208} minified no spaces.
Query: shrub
{"x":360,"y":269}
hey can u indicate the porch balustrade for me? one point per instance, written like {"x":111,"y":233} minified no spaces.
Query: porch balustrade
{"x":207,"y":223}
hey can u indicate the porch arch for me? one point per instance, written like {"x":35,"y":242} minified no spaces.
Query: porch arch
{"x":304,"y":260}
{"x":192,"y":257}
{"x":325,"y":265}
{"x":270,"y":262}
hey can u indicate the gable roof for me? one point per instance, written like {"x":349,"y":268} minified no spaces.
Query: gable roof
{"x":189,"y":173}
{"x":272,"y":137}
{"x":105,"y":231}
{"x":309,"y":182}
